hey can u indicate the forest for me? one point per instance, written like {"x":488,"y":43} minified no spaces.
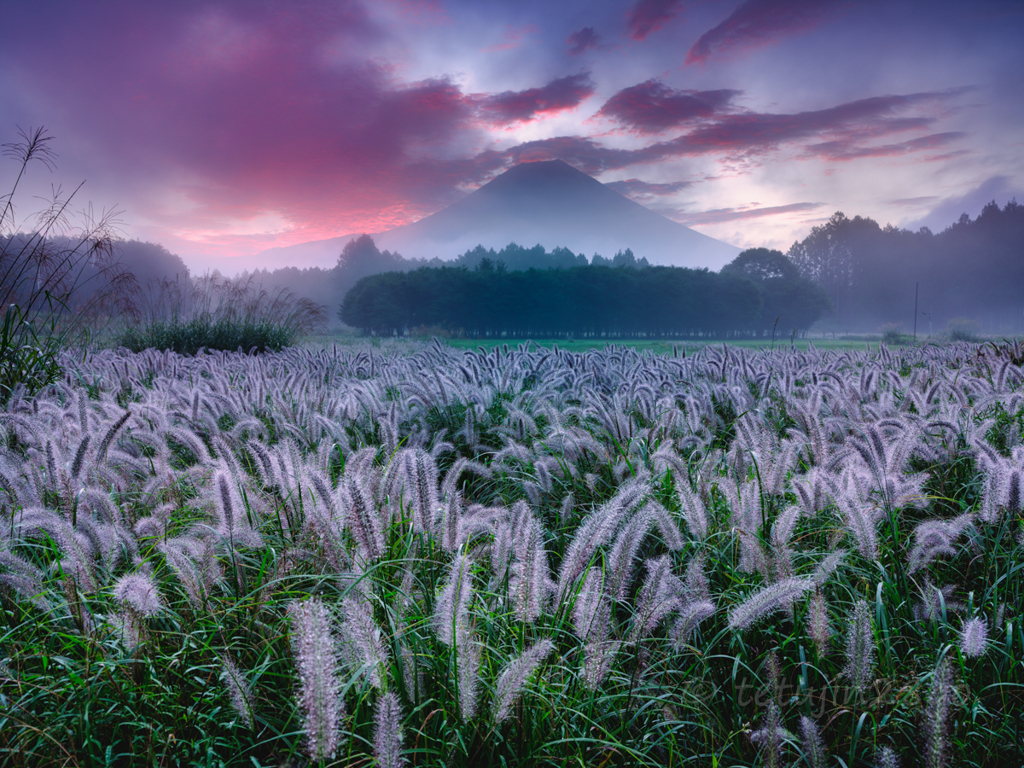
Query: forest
{"x":972,"y":269}
{"x":589,"y":302}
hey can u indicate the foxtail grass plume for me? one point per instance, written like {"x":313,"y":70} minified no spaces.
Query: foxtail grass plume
{"x":814,"y":747}
{"x":938,"y":709}
{"x":314,"y":649}
{"x":388,"y":735}
{"x":818,"y":625}
{"x":860,"y":648}
{"x":363,"y":636}
{"x":974,"y":637}
{"x":767,"y":600}
{"x":886,"y":758}
{"x":515,"y":675}
{"x":771,"y":736}
{"x":239,"y":692}
{"x":138,"y":592}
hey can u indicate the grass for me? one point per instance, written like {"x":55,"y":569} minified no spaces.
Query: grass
{"x":216,"y":313}
{"x":599,"y":498}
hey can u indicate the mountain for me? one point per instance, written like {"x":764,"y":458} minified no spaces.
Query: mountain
{"x":548,"y":203}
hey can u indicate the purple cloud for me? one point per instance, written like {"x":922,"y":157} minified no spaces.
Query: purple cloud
{"x":752,"y":133}
{"x":646,"y":16}
{"x":520,"y":106}
{"x":645,"y":190}
{"x":759,"y":22}
{"x":582,"y":40}
{"x":845,"y":150}
{"x":651,"y":106}
{"x":718,"y":215}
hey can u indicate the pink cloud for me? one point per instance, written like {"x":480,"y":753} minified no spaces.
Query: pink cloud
{"x":651,"y":106}
{"x":247,"y":110}
{"x":647,"y":16}
{"x":757,"y":23}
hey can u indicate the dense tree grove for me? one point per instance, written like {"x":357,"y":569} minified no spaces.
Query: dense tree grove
{"x":605,"y":302}
{"x":974,"y":269}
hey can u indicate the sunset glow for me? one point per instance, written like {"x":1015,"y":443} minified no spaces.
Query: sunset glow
{"x":225,"y":128}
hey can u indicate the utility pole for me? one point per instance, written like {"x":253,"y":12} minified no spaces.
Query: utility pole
{"x":916,"y":287}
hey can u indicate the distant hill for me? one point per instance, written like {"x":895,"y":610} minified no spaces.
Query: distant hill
{"x":548,"y":203}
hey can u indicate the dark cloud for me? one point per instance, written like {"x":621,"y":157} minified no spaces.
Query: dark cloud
{"x":759,"y":22}
{"x":718,"y":215}
{"x":582,"y":40}
{"x":644,"y":190}
{"x":646,"y":16}
{"x":652,"y":106}
{"x":520,"y":106}
{"x":578,"y":151}
{"x":845,"y":150}
{"x":753,"y":132}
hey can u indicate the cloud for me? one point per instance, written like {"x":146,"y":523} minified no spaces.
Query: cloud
{"x":718,"y":215}
{"x":519,"y":106}
{"x":219,"y":115}
{"x":646,"y":16}
{"x":751,"y":133}
{"x":651,"y":106}
{"x":645,"y":190}
{"x":912,"y":202}
{"x":512,"y":38}
{"x":757,"y":23}
{"x":844,"y":150}
{"x":582,"y":40}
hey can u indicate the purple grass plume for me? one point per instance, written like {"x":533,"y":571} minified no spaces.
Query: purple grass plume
{"x":974,"y":637}
{"x":388,"y":735}
{"x":814,"y":746}
{"x":860,"y":648}
{"x":239,"y":692}
{"x":139,"y":593}
{"x":936,"y":716}
{"x":515,"y":676}
{"x":314,"y":648}
{"x":776,"y":597}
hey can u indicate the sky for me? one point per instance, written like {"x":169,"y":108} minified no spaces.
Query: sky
{"x":225,"y":128}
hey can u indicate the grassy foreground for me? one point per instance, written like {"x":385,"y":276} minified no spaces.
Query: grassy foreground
{"x":419,"y":555}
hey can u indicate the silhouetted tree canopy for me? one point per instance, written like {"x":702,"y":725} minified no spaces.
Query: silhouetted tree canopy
{"x":790,"y":301}
{"x":604,"y":302}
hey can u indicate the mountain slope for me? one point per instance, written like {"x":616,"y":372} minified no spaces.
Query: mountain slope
{"x":550,"y":203}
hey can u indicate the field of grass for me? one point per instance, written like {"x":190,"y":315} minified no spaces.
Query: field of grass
{"x":406,"y":553}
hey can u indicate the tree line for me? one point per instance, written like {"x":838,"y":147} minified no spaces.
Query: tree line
{"x":587,"y":302}
{"x":973,"y":269}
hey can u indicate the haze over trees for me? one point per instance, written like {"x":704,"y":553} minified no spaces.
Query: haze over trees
{"x":973,"y":268}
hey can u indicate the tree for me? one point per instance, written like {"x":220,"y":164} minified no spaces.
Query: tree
{"x":55,"y":281}
{"x":789,"y":300}
{"x":763,"y":264}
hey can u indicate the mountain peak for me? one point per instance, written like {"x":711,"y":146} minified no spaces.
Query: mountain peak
{"x":541,"y":173}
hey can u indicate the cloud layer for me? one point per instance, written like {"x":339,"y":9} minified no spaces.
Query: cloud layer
{"x":226,"y":126}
